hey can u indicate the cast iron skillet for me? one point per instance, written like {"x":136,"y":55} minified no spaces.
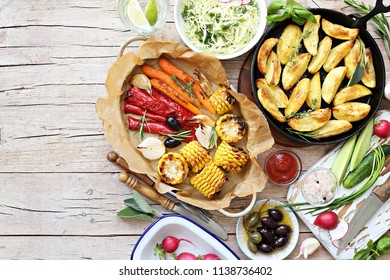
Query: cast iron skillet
{"x":374,"y":100}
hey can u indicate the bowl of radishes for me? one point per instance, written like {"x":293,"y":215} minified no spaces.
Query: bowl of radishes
{"x":175,"y":237}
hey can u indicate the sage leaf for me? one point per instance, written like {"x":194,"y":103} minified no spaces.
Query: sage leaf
{"x":144,"y":206}
{"x":130,"y":202}
{"x":357,"y":74}
{"x":132,"y":213}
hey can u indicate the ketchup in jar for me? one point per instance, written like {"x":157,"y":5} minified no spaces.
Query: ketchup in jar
{"x":283,"y":167}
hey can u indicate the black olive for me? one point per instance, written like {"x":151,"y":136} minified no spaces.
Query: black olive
{"x":268,"y":222}
{"x":171,"y":143}
{"x":266,"y":236}
{"x":255,"y":237}
{"x":173,"y":123}
{"x":281,"y":241}
{"x":266,"y":248}
{"x":275,"y":214}
{"x":282,"y":230}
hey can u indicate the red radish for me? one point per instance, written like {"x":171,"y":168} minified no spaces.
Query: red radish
{"x":382,"y":128}
{"x":339,"y":232}
{"x":171,"y":243}
{"x":327,"y":220}
{"x":210,"y":257}
{"x":186,"y":256}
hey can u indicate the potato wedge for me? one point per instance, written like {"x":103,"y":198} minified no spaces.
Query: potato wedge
{"x":332,"y":128}
{"x":322,"y":54}
{"x":351,"y":111}
{"x":351,"y":59}
{"x":264,"y":53}
{"x":311,"y":121}
{"x":274,"y":69}
{"x":332,"y":83}
{"x":313,"y":99}
{"x":289,"y":43}
{"x":369,"y":77}
{"x":298,"y":97}
{"x":269,"y":105}
{"x":310,"y":35}
{"x":276,"y":93}
{"x":350,"y":93}
{"x":337,"y":54}
{"x":294,"y":70}
{"x":338,"y":31}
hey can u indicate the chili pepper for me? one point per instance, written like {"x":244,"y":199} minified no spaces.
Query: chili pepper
{"x":132,"y":109}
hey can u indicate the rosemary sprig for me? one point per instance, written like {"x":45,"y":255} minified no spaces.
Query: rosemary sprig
{"x":379,"y":21}
{"x":299,"y":115}
{"x":180,"y":135}
{"x":303,"y":135}
{"x":142,"y":123}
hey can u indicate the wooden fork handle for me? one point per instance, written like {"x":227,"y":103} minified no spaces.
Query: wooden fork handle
{"x":121,"y":162}
{"x":149,"y":192}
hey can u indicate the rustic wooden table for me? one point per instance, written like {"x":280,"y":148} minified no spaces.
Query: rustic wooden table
{"x":59,"y":195}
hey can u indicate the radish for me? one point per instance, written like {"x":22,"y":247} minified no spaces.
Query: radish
{"x":327,"y":220}
{"x":186,"y":256}
{"x":339,"y":232}
{"x":171,"y":243}
{"x":210,"y":257}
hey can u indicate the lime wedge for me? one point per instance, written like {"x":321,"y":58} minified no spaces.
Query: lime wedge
{"x":136,"y":15}
{"x":151,"y":12}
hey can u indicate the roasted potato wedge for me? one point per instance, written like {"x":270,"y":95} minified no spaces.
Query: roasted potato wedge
{"x":268,"y":104}
{"x":294,"y":70}
{"x":337,"y":54}
{"x":311,"y":121}
{"x":332,"y":128}
{"x":338,"y":31}
{"x":274,"y":69}
{"x":351,"y":111}
{"x":289,"y":43}
{"x":351,"y":59}
{"x":322,"y":54}
{"x":310,"y":35}
{"x":298,"y":97}
{"x":276,"y":93}
{"x":332,"y":83}
{"x":369,"y":77}
{"x":313,"y":99}
{"x":264,"y":53}
{"x":350,"y":93}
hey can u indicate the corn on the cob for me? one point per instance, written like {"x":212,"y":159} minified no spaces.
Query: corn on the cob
{"x":195,"y":155}
{"x":173,"y":168}
{"x":230,"y":157}
{"x":209,"y":180}
{"x":230,"y":128}
{"x":222,"y":100}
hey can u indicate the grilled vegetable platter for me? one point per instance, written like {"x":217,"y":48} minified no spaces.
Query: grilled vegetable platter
{"x":317,"y":83}
{"x":172,"y":115}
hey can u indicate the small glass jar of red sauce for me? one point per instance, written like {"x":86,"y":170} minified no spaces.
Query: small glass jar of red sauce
{"x":283,"y":167}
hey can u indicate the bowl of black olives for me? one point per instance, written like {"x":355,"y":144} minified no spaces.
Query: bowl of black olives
{"x":268,"y":231}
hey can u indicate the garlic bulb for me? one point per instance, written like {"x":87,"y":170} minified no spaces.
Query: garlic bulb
{"x":151,"y":148}
{"x":308,"y":247}
{"x":206,"y":136}
{"x":141,"y":81}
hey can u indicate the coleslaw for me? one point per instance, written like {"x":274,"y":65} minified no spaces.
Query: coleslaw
{"x":220,"y":28}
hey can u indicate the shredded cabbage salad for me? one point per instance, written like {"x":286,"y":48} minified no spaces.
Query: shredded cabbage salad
{"x":220,"y":28}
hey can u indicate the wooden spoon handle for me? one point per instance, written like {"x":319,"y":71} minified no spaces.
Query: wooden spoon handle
{"x":121,"y":162}
{"x":149,"y":192}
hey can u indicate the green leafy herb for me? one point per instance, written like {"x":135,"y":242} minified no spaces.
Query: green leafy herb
{"x":303,"y":135}
{"x":374,"y":249}
{"x":180,"y":135}
{"x":291,"y":9}
{"x":379,"y":21}
{"x":360,"y":65}
{"x":299,"y":115}
{"x":160,"y":252}
{"x":142,"y":123}
{"x":138,"y":208}
{"x":187,"y":87}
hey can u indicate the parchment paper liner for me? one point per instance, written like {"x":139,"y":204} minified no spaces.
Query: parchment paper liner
{"x":258,"y":137}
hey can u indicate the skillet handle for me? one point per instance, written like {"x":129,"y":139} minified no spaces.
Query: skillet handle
{"x":362,"y":21}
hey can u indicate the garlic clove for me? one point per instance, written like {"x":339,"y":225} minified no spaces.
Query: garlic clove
{"x":141,"y":81}
{"x":151,"y":148}
{"x":206,"y":136}
{"x":202,"y":119}
{"x":308,"y":247}
{"x":204,"y":82}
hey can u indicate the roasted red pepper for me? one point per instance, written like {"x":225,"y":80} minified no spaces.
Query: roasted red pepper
{"x":132,"y":109}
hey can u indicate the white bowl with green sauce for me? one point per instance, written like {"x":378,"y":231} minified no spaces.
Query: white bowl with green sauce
{"x":225,"y":30}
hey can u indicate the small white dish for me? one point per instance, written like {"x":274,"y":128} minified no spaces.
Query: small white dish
{"x":278,"y":253}
{"x":180,"y":26}
{"x":180,"y":227}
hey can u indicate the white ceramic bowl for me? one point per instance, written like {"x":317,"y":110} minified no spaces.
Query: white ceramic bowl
{"x":261,"y":27}
{"x":180,"y":227}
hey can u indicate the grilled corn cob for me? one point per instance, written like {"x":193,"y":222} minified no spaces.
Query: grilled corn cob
{"x":222,"y":100}
{"x":230,"y":157}
{"x":195,"y":155}
{"x":173,"y":168}
{"x":230,"y":128}
{"x":209,"y":180}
